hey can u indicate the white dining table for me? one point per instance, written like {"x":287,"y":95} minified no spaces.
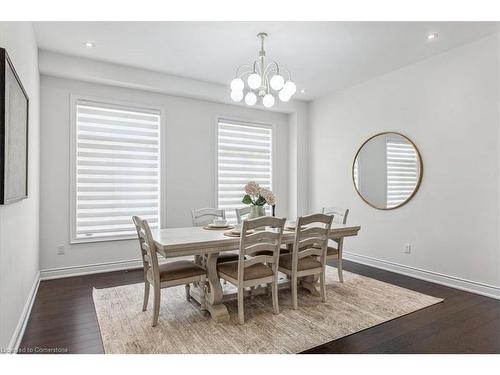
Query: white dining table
{"x":207,"y":244}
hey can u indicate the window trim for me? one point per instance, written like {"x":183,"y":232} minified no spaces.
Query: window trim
{"x":247,"y":122}
{"x":73,"y":100}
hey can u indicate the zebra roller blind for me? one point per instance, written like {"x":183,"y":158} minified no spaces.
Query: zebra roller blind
{"x":244,"y":153}
{"x":402,"y":170}
{"x":116,"y":170}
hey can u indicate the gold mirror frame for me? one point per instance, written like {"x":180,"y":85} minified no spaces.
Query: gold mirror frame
{"x":421,"y":168}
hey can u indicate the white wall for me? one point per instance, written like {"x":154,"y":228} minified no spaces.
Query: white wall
{"x":19,"y":221}
{"x":82,"y":69}
{"x":298,"y":160}
{"x":449,"y":106}
{"x":88,"y":70}
{"x":190,"y":163}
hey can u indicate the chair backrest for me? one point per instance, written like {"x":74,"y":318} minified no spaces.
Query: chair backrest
{"x":204,"y":216}
{"x":260,"y":241}
{"x":147,"y":246}
{"x":339,"y":214}
{"x":242,"y":213}
{"x":311,"y":237}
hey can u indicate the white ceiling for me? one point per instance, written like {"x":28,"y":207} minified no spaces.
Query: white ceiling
{"x":322,"y":56}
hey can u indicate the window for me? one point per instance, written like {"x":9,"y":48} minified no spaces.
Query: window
{"x":244,"y":153}
{"x":402,"y":170}
{"x":116,"y":170}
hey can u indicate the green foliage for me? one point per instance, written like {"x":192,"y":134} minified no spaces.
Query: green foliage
{"x":247,"y":199}
{"x":260,"y":202}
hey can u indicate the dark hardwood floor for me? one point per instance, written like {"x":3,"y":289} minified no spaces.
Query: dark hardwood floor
{"x":63,"y":319}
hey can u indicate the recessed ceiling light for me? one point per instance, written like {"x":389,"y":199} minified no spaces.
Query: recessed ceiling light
{"x":432,"y":36}
{"x":302,"y":91}
{"x":89,"y":44}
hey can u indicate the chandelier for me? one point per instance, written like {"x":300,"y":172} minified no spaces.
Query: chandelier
{"x":262,"y":81}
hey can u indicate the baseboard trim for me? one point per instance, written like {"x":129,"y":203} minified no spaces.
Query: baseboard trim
{"x":57,"y":273}
{"x":18,"y":334}
{"x":418,"y":273}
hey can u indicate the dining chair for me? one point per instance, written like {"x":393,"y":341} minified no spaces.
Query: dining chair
{"x":308,"y":256}
{"x":335,"y":251}
{"x":204,"y":216}
{"x":181,"y":272}
{"x":242,"y":213}
{"x":251,"y":269}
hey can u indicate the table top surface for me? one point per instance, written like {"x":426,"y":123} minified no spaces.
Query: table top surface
{"x":189,"y":237}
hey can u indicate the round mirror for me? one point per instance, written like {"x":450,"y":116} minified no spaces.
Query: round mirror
{"x":387,"y":170}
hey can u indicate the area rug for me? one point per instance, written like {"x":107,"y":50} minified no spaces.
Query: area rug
{"x":359,"y":303}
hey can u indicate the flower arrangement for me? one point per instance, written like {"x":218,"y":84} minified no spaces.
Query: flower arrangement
{"x":258,"y":196}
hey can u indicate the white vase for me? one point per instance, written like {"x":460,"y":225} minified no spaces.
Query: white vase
{"x":256,"y":211}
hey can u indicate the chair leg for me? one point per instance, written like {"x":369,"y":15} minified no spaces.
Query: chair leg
{"x":188,"y":292}
{"x":276,"y":307}
{"x":322,"y":284}
{"x":156,"y":305}
{"x":339,"y":268}
{"x":241,"y":307}
{"x":295,"y":302}
{"x":146,"y":295}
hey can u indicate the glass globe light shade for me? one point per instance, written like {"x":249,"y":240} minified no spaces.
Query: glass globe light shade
{"x":268,"y":100}
{"x":237,"y":84}
{"x":237,"y":95}
{"x":254,"y":81}
{"x":277,"y":82}
{"x":290,"y":87}
{"x":283,"y":95}
{"x":250,"y":98}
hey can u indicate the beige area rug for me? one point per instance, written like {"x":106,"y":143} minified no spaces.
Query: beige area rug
{"x":359,"y":303}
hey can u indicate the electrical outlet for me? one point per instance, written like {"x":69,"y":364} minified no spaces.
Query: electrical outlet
{"x":407,"y":248}
{"x":61,"y":250}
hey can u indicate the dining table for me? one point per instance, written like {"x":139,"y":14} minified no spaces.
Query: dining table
{"x":206,"y":245}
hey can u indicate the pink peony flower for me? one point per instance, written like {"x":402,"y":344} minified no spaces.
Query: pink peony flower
{"x":252,"y":188}
{"x":268,"y":196}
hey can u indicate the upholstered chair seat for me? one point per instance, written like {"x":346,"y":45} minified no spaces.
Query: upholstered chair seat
{"x":227,"y":257}
{"x":306,"y":263}
{"x":331,"y":251}
{"x":179,"y":270}
{"x":255,"y":271}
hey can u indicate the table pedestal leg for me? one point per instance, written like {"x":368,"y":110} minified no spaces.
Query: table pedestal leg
{"x":310,"y":283}
{"x":214,"y":296}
